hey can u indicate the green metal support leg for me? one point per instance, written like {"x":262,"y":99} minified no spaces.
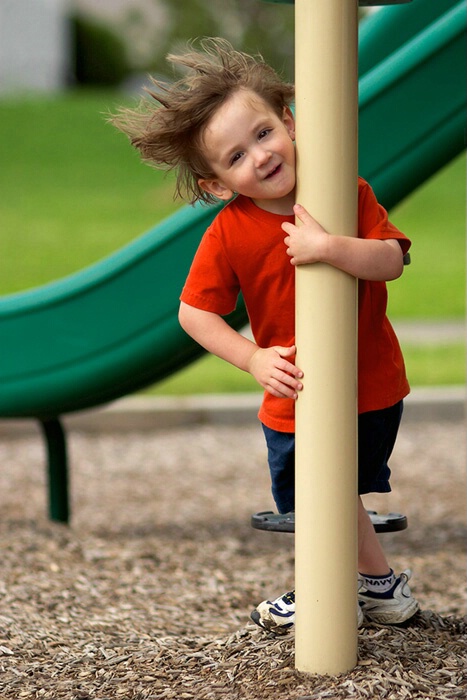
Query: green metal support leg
{"x":54,"y":434}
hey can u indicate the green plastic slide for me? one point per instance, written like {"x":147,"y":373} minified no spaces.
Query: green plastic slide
{"x":112,"y":328}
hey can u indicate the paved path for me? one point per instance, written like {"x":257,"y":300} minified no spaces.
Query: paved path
{"x":430,"y":332}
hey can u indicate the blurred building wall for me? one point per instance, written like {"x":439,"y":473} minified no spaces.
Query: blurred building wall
{"x":34,"y":45}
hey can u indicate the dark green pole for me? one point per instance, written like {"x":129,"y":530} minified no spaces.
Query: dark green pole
{"x":57,"y":469}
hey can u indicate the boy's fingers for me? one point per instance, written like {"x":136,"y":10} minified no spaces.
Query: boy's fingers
{"x":303,"y":214}
{"x":290,"y":371}
{"x":300,"y":211}
{"x":288,"y":227}
{"x":285,"y":351}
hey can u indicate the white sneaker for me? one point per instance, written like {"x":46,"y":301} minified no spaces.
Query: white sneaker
{"x":278,"y":615}
{"x":397,"y":606}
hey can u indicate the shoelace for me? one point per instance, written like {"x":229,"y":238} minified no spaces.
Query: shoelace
{"x":289,"y":597}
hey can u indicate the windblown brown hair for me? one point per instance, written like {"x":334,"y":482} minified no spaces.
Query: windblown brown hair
{"x":167,"y":126}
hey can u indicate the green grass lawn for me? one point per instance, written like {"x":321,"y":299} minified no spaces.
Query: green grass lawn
{"x":433,"y":285}
{"x":73,"y":190}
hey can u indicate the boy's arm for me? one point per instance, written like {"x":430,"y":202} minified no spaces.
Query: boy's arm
{"x":367,"y":259}
{"x":268,"y":366}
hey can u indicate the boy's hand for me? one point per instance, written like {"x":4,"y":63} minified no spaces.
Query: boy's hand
{"x":306,"y":243}
{"x":275,"y":373}
{"x":363,"y":258}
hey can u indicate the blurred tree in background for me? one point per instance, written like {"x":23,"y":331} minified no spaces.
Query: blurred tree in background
{"x":251,"y":25}
{"x":149,"y":29}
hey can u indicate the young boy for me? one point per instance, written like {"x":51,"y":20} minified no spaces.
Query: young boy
{"x":227,"y":128}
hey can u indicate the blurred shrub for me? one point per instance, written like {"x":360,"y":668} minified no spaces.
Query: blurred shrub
{"x":99,"y":55}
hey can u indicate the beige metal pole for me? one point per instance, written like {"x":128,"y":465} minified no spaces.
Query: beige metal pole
{"x":326,"y":330}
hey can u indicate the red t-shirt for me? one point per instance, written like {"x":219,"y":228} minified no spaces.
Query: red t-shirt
{"x":243,"y":250}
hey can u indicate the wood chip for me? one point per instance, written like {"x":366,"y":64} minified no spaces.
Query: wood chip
{"x":147,"y":595}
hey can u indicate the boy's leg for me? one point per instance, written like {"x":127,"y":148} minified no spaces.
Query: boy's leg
{"x":383,"y":597}
{"x":281,"y":460}
{"x":278,"y":615}
{"x":371,"y":557}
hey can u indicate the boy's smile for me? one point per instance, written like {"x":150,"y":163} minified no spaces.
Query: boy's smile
{"x":251,"y":151}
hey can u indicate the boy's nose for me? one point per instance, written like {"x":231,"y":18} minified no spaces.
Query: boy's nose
{"x":260,"y":156}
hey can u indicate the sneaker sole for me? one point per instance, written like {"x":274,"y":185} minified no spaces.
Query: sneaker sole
{"x":274,"y":628}
{"x":392,"y":617}
{"x":283,"y":629}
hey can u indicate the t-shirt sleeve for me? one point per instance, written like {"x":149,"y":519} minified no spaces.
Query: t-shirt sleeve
{"x":212,"y":284}
{"x":373,"y":219}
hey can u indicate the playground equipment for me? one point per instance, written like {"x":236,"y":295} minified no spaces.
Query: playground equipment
{"x":277,"y":522}
{"x":326,"y":100}
{"x":108,"y":331}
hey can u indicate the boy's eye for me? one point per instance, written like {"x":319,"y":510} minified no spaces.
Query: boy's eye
{"x":263,"y":133}
{"x":236,"y":157}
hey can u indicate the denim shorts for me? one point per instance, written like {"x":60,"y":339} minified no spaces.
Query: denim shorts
{"x":377,"y":432}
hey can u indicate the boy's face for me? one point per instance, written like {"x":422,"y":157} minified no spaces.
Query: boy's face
{"x":251,"y":150}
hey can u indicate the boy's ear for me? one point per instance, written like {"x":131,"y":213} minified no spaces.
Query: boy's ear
{"x":289,"y":122}
{"x":216,"y":188}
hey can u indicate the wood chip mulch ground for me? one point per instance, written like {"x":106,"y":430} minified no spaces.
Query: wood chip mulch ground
{"x":147,"y":594}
